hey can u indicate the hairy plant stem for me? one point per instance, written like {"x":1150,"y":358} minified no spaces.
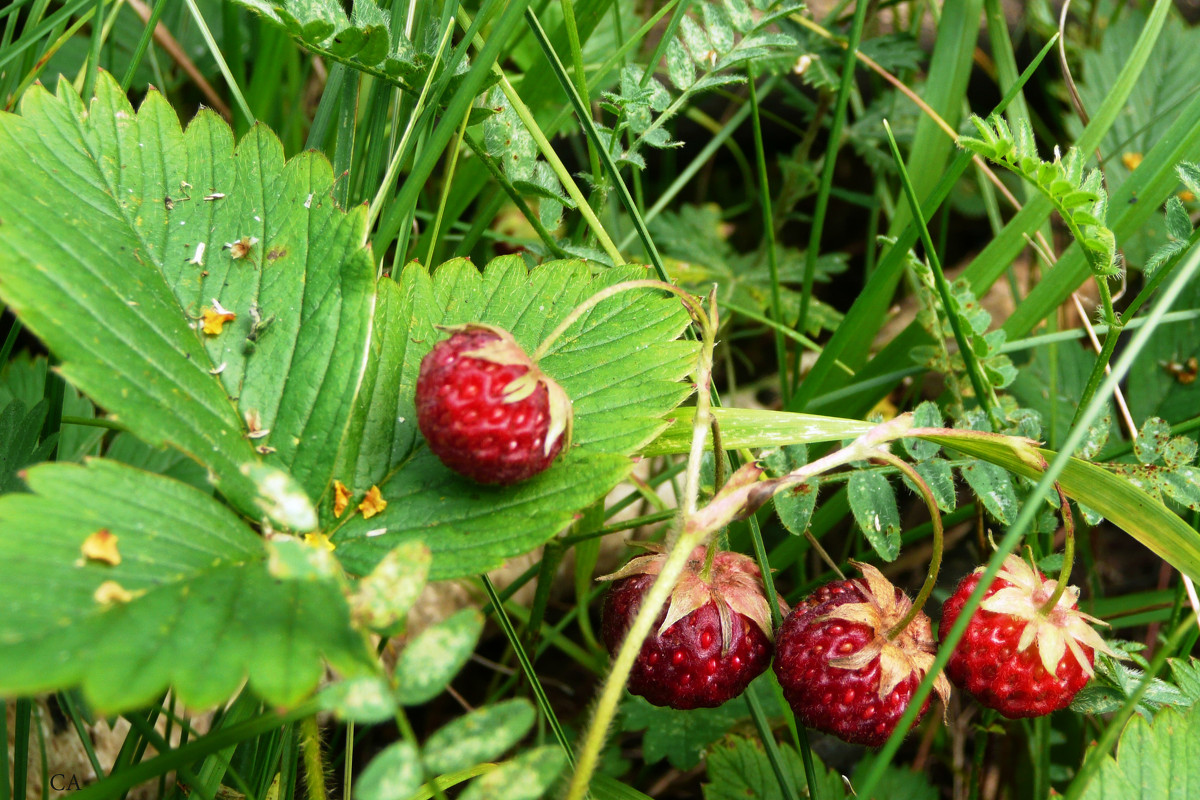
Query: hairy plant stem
{"x":1064,"y":574}
{"x":935,"y":558}
{"x":680,"y":542}
{"x":314,"y":764}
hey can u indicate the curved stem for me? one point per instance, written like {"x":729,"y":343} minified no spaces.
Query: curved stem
{"x":693,"y":306}
{"x":935,"y":559}
{"x":1064,"y":574}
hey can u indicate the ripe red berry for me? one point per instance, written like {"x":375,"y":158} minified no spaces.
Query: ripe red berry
{"x":839,"y":671}
{"x":1014,"y":658}
{"x":707,"y":644}
{"x":485,"y":408}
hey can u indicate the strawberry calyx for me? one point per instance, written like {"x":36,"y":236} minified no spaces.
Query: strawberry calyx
{"x":505,"y":350}
{"x":1024,"y":595}
{"x":733,"y":584}
{"x":908,"y":652}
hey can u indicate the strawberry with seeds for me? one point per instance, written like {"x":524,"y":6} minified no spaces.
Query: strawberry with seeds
{"x":487,"y":410}
{"x":1018,"y":656}
{"x":710,"y":641}
{"x":850,"y":657}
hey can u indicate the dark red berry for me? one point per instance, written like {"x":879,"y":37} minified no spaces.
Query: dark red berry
{"x":696,"y":661}
{"x":1013,"y":657}
{"x":839,"y":671}
{"x":486,"y":410}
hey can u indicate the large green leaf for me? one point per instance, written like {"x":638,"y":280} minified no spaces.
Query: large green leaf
{"x":1157,"y":759}
{"x":203,"y":609}
{"x":620,"y":364}
{"x":120,"y":229}
{"x":739,"y":768}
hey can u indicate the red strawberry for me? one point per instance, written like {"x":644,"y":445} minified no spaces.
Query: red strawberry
{"x":712,"y":639}
{"x":485,"y":408}
{"x":1014,"y":658}
{"x":839,"y":670}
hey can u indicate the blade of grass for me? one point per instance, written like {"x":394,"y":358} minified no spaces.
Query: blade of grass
{"x":830,"y":162}
{"x":1032,"y":507}
{"x":30,"y":37}
{"x":984,"y":394}
{"x":857,"y":331}
{"x":768,"y":223}
{"x":783,"y":776}
{"x":91,"y":67}
{"x":343,"y":152}
{"x":606,"y":159}
{"x":405,"y":201}
{"x":527,"y":667}
{"x":234,"y":90}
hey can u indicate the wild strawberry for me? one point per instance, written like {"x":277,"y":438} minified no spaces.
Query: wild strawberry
{"x":485,"y":408}
{"x":708,"y":643}
{"x":1013,"y":657}
{"x":840,"y":671}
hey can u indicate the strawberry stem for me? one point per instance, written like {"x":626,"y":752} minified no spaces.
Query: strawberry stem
{"x":935,"y":558}
{"x":1064,"y":574}
{"x":694,"y":307}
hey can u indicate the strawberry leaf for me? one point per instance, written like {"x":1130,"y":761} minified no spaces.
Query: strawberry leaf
{"x":618,"y":364}
{"x":190,"y":578}
{"x":1157,"y":759}
{"x":169,"y":229}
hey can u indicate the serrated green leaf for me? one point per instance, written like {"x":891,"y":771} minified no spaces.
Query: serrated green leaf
{"x":1186,"y":675}
{"x":482,"y":735}
{"x":873,"y":502}
{"x":681,"y":737}
{"x":619,"y":365}
{"x":994,"y":488}
{"x":394,"y":773}
{"x":1157,"y":759}
{"x":193,"y":603}
{"x":526,"y":777}
{"x":170,"y":204}
{"x":738,"y":768}
{"x":434,"y":657}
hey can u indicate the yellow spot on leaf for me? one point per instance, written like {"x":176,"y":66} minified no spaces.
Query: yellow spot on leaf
{"x":318,"y":541}
{"x":341,"y":498}
{"x":101,"y":546}
{"x":372,"y":504}
{"x":215,"y":317}
{"x":112,"y":592}
{"x":1131,"y":160}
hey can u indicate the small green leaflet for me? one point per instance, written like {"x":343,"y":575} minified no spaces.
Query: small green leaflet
{"x":190,"y":603}
{"x":795,"y":505}
{"x":394,"y":773}
{"x":432,"y":659}
{"x":874,"y":505}
{"x":526,"y":777}
{"x":480,"y":736}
